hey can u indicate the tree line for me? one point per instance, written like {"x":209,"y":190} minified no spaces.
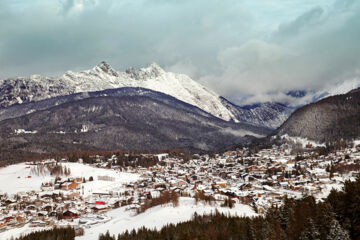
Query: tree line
{"x":54,"y":234}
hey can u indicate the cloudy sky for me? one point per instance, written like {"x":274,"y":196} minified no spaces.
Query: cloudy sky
{"x":238,"y":48}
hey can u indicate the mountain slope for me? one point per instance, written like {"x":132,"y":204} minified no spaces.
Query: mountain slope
{"x":14,"y":91}
{"x":333,"y":118}
{"x":266,"y":114}
{"x":18,"y":110}
{"x":129,"y":119}
{"x":103,"y":76}
{"x":18,"y":91}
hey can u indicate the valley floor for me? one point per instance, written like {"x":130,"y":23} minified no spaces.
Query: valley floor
{"x":159,"y":216}
{"x":109,"y":195}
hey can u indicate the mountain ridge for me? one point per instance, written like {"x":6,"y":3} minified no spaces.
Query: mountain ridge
{"x":329,"y":119}
{"x":134,"y":121}
{"x":103,"y":76}
{"x":35,"y":88}
{"x":15,"y":91}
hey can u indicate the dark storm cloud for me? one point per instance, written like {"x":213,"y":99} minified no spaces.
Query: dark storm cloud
{"x":240,"y":47}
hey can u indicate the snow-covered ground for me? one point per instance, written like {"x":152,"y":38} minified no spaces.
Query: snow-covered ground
{"x":17,"y":232}
{"x":19,"y":178}
{"x":159,"y":216}
{"x":15,"y":178}
{"x":120,"y":178}
{"x":156,"y":217}
{"x":302,"y":141}
{"x":326,"y":188}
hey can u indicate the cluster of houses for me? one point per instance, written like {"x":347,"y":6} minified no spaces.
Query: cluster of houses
{"x":259,"y":180}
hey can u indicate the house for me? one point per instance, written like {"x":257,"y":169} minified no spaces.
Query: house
{"x":70,"y":214}
{"x":37,"y":223}
{"x":69,"y":186}
{"x":100,"y":203}
{"x":47,"y":186}
{"x":101,"y":208}
{"x":2,"y":226}
{"x":221,"y":184}
{"x":309,"y":145}
{"x":73,"y":195}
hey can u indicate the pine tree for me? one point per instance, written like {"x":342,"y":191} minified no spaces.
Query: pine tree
{"x":310,"y":232}
{"x":324,"y":216}
{"x":337,"y":232}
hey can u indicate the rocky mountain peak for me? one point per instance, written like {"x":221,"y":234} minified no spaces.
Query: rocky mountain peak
{"x":152,"y":71}
{"x":154,"y":67}
{"x":105,"y":67}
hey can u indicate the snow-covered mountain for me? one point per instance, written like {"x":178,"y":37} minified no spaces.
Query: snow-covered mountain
{"x":103,"y":76}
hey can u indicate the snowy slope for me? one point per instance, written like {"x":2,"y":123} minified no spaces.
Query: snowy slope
{"x":156,"y":217}
{"x":14,"y":178}
{"x":103,"y":76}
{"x":159,"y":216}
{"x":23,"y":231}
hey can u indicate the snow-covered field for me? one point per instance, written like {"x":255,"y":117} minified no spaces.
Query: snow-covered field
{"x":156,"y":217}
{"x":20,"y":178}
{"x":15,"y":178}
{"x":17,"y":232}
{"x":159,"y":216}
{"x":302,"y":141}
{"x":80,"y":170}
{"x":326,"y":188}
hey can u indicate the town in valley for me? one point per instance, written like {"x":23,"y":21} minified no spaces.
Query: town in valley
{"x":82,"y":193}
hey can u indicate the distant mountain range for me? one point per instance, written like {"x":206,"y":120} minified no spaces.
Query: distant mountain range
{"x":150,"y":108}
{"x":14,"y":91}
{"x":103,"y":76}
{"x":125,"y":118}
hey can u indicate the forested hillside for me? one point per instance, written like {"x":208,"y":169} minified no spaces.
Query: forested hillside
{"x":333,"y":118}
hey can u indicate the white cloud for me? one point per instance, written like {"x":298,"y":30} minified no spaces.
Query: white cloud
{"x":184,"y":67}
{"x":315,"y":49}
{"x":240,"y":48}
